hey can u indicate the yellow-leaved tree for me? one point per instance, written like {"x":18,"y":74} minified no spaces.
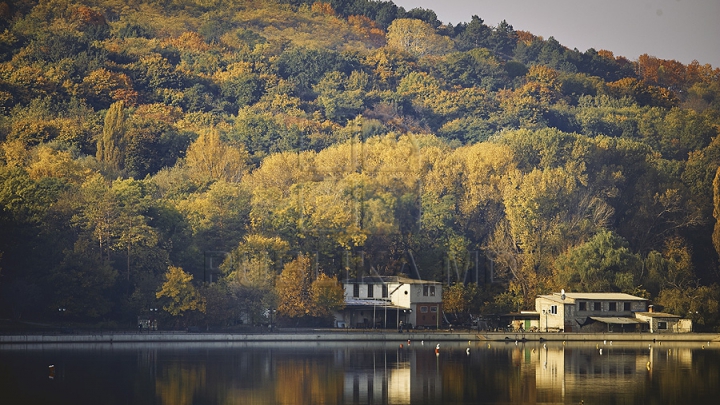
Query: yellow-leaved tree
{"x":181,"y":295}
{"x":293,"y":289}
{"x":327,"y":295}
{"x":304,"y":300}
{"x":417,"y":37}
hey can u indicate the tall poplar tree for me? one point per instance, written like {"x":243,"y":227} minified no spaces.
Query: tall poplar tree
{"x":109,"y":145}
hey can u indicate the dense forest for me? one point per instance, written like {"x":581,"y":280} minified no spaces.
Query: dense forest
{"x":220,"y":157}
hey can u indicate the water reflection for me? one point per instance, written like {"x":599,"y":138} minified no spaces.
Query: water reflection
{"x":360,"y":373}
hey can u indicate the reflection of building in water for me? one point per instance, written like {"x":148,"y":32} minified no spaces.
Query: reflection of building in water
{"x":399,"y":384}
{"x":405,"y":378}
{"x":563,"y":370}
{"x":549,"y":372}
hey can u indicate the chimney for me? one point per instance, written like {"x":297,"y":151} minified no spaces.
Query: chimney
{"x":650,"y":308}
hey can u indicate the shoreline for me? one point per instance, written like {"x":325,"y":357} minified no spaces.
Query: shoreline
{"x":328,"y":335}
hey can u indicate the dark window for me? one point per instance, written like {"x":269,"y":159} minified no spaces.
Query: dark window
{"x":662,"y":325}
{"x":432,"y":290}
{"x":613,"y":306}
{"x":356,"y":290}
{"x":583,"y":306}
{"x":425,"y":290}
{"x":423,"y":309}
{"x":626,"y":306}
{"x":384,"y":291}
{"x":371,"y":292}
{"x":433,"y":309}
{"x":553,"y":309}
{"x":597,"y":306}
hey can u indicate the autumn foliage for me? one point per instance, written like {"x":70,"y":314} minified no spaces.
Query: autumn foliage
{"x":243,"y":157}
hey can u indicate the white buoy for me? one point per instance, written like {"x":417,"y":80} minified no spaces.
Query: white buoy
{"x":467,"y":351}
{"x":601,"y":352}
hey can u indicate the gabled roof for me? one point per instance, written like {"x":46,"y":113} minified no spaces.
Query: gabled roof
{"x":388,"y":280}
{"x":570,"y":298}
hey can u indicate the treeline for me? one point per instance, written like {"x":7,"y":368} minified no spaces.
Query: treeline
{"x":273,"y":147}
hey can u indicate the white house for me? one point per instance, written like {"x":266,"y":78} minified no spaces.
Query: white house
{"x":384,"y":302}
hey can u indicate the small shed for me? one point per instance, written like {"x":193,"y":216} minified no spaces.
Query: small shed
{"x":662,"y":322}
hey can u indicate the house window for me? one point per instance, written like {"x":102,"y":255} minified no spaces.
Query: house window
{"x":626,"y":306}
{"x":612,"y":306}
{"x":433,"y":309}
{"x":597,"y":306}
{"x":553,"y":309}
{"x":384,"y":291}
{"x":583,"y":306}
{"x":423,"y":309}
{"x":432,"y":290}
{"x":662,"y":325}
{"x":356,"y":290}
{"x":371,"y":292}
{"x":426,"y":290}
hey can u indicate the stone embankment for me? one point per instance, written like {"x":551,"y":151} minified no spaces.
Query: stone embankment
{"x":352,"y":336}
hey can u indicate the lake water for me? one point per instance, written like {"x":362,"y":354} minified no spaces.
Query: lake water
{"x":360,"y":373}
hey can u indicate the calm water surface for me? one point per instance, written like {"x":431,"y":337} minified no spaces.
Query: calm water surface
{"x":360,"y":373}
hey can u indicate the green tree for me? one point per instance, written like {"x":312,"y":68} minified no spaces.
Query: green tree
{"x":602,"y":264}
{"x":475,"y":34}
{"x":83,"y":282}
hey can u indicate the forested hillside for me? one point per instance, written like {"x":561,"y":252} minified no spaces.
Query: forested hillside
{"x":148,"y":147}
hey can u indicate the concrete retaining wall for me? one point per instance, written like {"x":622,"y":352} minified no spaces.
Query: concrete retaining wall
{"x":325,"y":335}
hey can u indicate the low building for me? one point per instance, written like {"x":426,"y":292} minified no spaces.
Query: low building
{"x":385,"y":302}
{"x":603,"y":312}
{"x":662,"y":322}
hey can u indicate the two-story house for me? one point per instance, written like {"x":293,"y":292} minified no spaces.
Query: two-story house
{"x":604,"y":312}
{"x":384,"y":302}
{"x":590,"y":312}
